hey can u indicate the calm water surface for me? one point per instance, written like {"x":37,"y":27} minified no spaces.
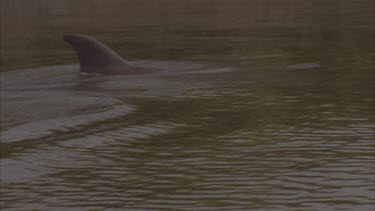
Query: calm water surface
{"x":270,"y":117}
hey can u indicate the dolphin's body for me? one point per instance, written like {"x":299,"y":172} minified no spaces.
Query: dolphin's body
{"x":97,"y":58}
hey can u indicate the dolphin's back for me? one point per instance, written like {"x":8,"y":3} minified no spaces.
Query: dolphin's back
{"x":95,"y":57}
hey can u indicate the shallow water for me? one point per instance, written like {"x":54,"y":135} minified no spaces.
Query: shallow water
{"x":279,"y":127}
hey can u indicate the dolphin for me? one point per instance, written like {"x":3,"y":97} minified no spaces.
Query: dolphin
{"x":98,"y":59}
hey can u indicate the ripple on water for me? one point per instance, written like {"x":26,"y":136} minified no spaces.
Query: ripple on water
{"x":242,"y":150}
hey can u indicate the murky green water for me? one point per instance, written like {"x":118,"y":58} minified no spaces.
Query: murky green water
{"x":262,"y":105}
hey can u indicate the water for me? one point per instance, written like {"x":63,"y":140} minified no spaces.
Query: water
{"x":277,"y":118}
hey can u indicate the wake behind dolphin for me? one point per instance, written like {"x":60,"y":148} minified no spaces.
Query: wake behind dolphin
{"x":97,"y":58}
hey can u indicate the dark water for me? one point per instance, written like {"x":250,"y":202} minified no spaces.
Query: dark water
{"x":261,"y":105}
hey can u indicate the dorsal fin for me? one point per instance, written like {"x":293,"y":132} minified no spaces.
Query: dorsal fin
{"x":94,"y":56}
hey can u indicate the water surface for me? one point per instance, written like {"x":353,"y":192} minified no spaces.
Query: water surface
{"x":249,"y":113}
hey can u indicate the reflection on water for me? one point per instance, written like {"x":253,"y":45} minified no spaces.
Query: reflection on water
{"x":264,"y":110}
